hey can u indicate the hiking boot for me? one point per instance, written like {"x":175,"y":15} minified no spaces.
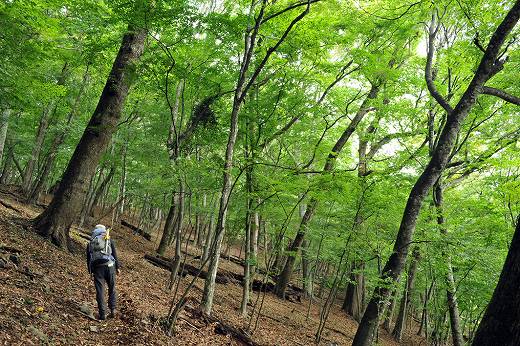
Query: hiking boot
{"x":112,"y":313}
{"x":102,"y":317}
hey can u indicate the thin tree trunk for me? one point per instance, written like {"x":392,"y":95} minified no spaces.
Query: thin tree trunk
{"x":285,"y":276}
{"x":254,"y":242}
{"x":209,"y":284}
{"x":390,"y":315}
{"x":424,"y":315}
{"x":489,"y":66}
{"x":248,"y":216}
{"x":354,"y":297}
{"x":86,"y":201}
{"x":6,"y":169}
{"x":240,"y":94}
{"x":450,"y":281}
{"x":176,"y":263}
{"x":37,"y":147}
{"x":122,"y":185}
{"x":306,"y":270}
{"x":57,"y":142}
{"x":4,"y":122}
{"x":203,"y":220}
{"x":324,"y":274}
{"x":101,"y":189}
{"x":209,"y":235}
{"x":48,"y":111}
{"x":56,"y":220}
{"x":405,"y":300}
{"x":247,"y":263}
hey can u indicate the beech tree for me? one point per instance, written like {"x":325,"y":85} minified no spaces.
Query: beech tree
{"x":490,"y":64}
{"x":56,"y":220}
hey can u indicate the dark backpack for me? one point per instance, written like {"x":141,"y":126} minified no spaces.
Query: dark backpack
{"x":100,"y":249}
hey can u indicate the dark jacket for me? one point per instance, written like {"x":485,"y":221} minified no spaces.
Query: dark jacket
{"x":99,"y":262}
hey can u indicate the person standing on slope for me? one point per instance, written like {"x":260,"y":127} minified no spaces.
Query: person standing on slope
{"x":103,"y":264}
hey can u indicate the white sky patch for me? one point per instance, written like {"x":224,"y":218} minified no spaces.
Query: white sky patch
{"x":200,"y":36}
{"x":390,"y":148}
{"x":421,"y":49}
{"x":409,"y":97}
{"x":409,"y":170}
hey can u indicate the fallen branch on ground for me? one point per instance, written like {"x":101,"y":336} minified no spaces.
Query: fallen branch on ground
{"x":188,"y":269}
{"x":222,"y":327}
{"x":225,"y":277}
{"x":5,"y":248}
{"x":137,"y":230}
{"x":10,"y":206}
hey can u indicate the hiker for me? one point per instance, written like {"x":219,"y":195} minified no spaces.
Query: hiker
{"x":102,"y":264}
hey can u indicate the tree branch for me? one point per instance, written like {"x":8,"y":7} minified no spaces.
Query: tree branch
{"x":432,"y":32}
{"x":288,"y":8}
{"x":501,"y":94}
{"x":271,"y":50}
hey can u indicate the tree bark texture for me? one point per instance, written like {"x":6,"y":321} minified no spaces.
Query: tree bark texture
{"x":168,"y":228}
{"x":501,"y":322}
{"x":56,"y":220}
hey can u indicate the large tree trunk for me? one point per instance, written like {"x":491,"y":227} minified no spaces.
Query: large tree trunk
{"x":56,"y":220}
{"x":168,"y":228}
{"x":501,"y":322}
{"x":400,"y":324}
{"x":489,"y":66}
{"x":285,"y":276}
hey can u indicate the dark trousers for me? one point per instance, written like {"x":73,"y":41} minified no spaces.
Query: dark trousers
{"x":104,"y":273}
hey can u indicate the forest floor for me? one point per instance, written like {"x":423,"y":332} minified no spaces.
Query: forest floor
{"x":46,"y":297}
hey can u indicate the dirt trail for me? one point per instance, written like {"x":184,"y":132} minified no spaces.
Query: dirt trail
{"x":42,"y":297}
